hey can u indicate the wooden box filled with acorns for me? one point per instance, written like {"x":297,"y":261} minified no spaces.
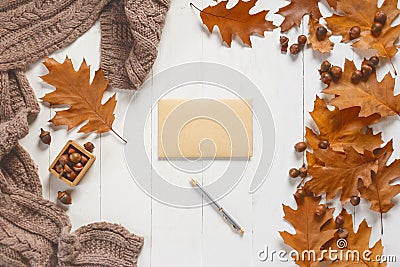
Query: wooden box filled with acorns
{"x":73,"y":162}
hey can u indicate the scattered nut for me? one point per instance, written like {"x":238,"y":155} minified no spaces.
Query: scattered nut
{"x":343,"y":233}
{"x":64,"y":197}
{"x":89,"y":146}
{"x":355,"y":32}
{"x":320,"y":210}
{"x":300,"y":147}
{"x":45,"y":136}
{"x":294,"y":173}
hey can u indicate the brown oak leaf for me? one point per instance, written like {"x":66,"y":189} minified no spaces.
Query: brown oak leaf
{"x":342,"y":128}
{"x":372,"y":96}
{"x":362,"y":13}
{"x":236,"y":21}
{"x":324,"y":46}
{"x":73,"y":88}
{"x":297,"y":9}
{"x":355,"y":249}
{"x":335,"y":171}
{"x":380,"y":192}
{"x":308,"y":237}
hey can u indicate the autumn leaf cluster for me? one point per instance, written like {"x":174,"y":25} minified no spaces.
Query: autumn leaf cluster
{"x":355,"y":164}
{"x":346,"y":15}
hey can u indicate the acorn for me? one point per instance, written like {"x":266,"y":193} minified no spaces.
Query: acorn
{"x":323,"y":144}
{"x":343,"y":233}
{"x":300,"y":147}
{"x":300,"y":193}
{"x":339,"y":221}
{"x":376,"y":29}
{"x":326,"y":78}
{"x":380,"y":17}
{"x":325,"y":66}
{"x":356,"y":76}
{"x":64,"y":197}
{"x":373,"y":61}
{"x":89,"y":146}
{"x":354,"y":32}
{"x":303,"y":172}
{"x":366,"y":70}
{"x":45,"y":136}
{"x":321,"y":33}
{"x":336,"y":72}
{"x":320,"y":210}
{"x":355,"y":200}
{"x":294,"y":173}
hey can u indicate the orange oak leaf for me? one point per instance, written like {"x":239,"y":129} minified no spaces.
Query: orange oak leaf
{"x":309,"y":238}
{"x":381,"y":191}
{"x":73,"y":88}
{"x":355,"y":249}
{"x":236,"y":21}
{"x":362,"y":13}
{"x":297,"y":9}
{"x":372,"y":96}
{"x":324,"y":46}
{"x":337,"y":171}
{"x":342,"y":128}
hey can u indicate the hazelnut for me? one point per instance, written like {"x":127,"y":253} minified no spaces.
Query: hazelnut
{"x":78,"y":167}
{"x":63,"y":159}
{"x":75,"y":157}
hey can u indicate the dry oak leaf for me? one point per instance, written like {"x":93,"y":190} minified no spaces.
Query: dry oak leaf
{"x":324,"y":46}
{"x":342,"y":128}
{"x":372,"y":96}
{"x":309,"y":236}
{"x":381,"y":191}
{"x":73,"y":88}
{"x":351,"y":250}
{"x":236,"y":21}
{"x":337,"y":171}
{"x":297,"y":9}
{"x":362,"y":13}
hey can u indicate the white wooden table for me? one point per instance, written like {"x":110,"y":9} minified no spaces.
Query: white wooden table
{"x":198,"y":237}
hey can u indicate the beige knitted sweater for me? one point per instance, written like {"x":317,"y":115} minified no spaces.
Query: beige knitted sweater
{"x":34,"y":231}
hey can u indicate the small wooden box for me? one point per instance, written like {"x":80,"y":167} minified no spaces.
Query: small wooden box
{"x":80,"y":149}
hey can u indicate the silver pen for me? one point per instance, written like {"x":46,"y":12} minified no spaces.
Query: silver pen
{"x":225,"y":215}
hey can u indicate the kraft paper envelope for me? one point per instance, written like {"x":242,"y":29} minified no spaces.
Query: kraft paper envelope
{"x":208,"y":128}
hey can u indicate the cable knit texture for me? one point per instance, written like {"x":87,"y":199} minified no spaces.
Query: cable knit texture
{"x":34,"y":231}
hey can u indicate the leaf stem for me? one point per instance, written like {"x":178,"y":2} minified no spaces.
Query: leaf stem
{"x":394,"y":68}
{"x":120,"y":137}
{"x":192,"y":5}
